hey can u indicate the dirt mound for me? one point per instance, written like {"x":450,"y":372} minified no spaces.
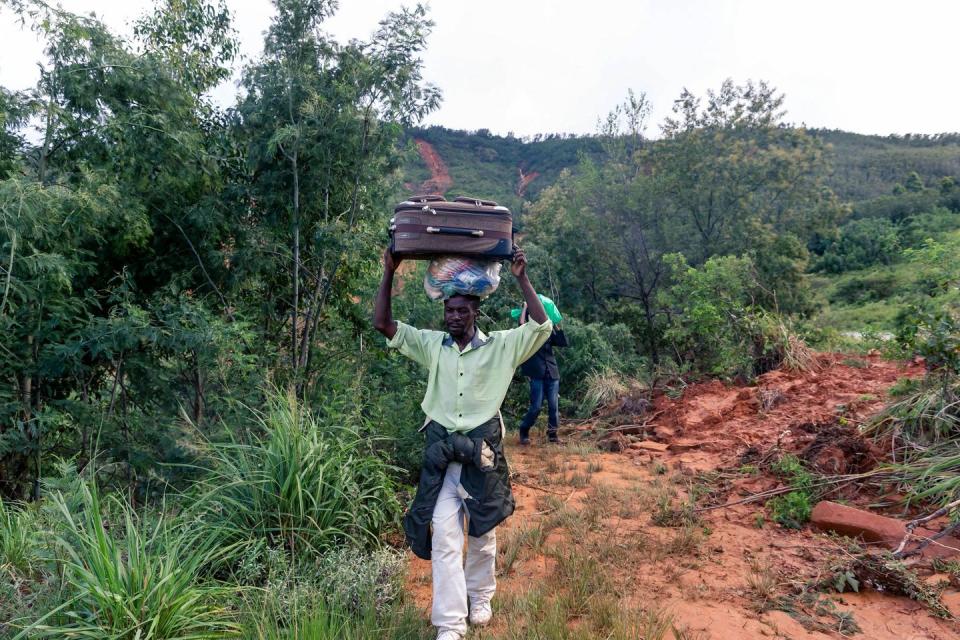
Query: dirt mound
{"x":440,"y":180}
{"x":789,"y":409}
{"x":839,"y":449}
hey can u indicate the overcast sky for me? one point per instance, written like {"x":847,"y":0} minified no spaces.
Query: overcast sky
{"x":531,"y":66}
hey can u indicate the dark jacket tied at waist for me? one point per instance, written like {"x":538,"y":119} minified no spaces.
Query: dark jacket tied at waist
{"x":490,"y":500}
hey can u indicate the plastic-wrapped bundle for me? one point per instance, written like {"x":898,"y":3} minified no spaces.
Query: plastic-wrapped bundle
{"x":451,"y":275}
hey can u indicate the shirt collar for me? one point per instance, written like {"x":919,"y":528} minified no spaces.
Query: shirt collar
{"x":479,"y":339}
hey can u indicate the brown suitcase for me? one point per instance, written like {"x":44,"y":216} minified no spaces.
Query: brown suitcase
{"x":428,"y":225}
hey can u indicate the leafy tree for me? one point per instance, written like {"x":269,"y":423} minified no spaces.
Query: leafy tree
{"x":861,"y":244}
{"x":320,"y":122}
{"x":737,"y":176}
{"x":97,"y":226}
{"x":913,"y":183}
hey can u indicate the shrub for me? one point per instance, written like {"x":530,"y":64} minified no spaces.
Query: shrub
{"x":866,"y":288}
{"x":709,"y":310}
{"x":715,"y":327}
{"x":303,"y":485}
{"x":792,"y":509}
{"x":935,"y":335}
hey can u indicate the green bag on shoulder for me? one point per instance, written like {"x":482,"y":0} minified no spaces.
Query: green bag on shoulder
{"x":549,"y":306}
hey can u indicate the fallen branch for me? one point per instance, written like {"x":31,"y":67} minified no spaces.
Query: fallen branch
{"x":913,"y":524}
{"x":769,"y":493}
{"x":537,"y":487}
{"x":624,"y":427}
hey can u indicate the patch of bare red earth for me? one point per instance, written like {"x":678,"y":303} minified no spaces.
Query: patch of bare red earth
{"x":524,"y":180}
{"x":719,"y":422}
{"x":710,"y":427}
{"x":439,"y":180}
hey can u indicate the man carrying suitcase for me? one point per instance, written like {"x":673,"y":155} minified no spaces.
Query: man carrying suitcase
{"x":469,"y":373}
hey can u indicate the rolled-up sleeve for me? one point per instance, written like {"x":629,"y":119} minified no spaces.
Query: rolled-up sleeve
{"x":410,"y":342}
{"x":525,"y":340}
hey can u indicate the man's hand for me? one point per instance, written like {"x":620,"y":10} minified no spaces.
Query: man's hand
{"x":519,"y":265}
{"x":390,"y":261}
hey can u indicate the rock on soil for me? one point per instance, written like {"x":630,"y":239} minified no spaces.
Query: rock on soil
{"x":856,"y":523}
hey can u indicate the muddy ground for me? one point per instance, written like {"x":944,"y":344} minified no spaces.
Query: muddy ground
{"x":600,"y":537}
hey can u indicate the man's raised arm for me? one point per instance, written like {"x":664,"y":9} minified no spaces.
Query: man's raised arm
{"x":382,"y":311}
{"x":534,"y":307}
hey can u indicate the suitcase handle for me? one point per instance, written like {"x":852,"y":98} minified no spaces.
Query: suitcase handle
{"x":453,"y":231}
{"x":475,"y":201}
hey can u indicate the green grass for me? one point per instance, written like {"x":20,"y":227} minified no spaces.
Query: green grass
{"x":140,"y":581}
{"x":304,"y":485}
{"x":327,"y":621}
{"x":18,"y":544}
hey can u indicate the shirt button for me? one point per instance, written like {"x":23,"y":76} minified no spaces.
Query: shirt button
{"x":461,"y":373}
{"x":461,"y":393}
{"x":460,"y":415}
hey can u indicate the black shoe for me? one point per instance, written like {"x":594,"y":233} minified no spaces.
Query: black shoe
{"x":524,"y":438}
{"x":553,"y":438}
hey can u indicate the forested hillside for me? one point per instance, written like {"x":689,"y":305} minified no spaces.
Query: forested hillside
{"x":202,"y":435}
{"x":505,"y":168}
{"x":862,"y":166}
{"x":871,"y":166}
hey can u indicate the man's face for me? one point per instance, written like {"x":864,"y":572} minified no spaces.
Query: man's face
{"x":459,"y":315}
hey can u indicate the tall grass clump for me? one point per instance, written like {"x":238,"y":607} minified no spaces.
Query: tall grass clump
{"x":928,"y":415}
{"x":923,"y":425}
{"x":18,"y":540}
{"x":603,"y":388}
{"x":131,"y":580}
{"x":299,"y":484}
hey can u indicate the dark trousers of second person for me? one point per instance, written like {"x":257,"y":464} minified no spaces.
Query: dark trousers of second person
{"x":540,"y":388}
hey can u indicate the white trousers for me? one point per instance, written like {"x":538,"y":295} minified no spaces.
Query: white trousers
{"x":454,"y":579}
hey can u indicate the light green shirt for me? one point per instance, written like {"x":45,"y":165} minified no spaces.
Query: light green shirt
{"x":466,"y":388}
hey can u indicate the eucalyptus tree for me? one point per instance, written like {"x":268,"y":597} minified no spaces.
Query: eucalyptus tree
{"x":321,"y":122}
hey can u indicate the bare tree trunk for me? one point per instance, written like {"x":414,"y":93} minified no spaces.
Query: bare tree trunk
{"x":198,"y":392}
{"x":353,"y":217}
{"x":82,"y":459}
{"x":296,"y":264}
